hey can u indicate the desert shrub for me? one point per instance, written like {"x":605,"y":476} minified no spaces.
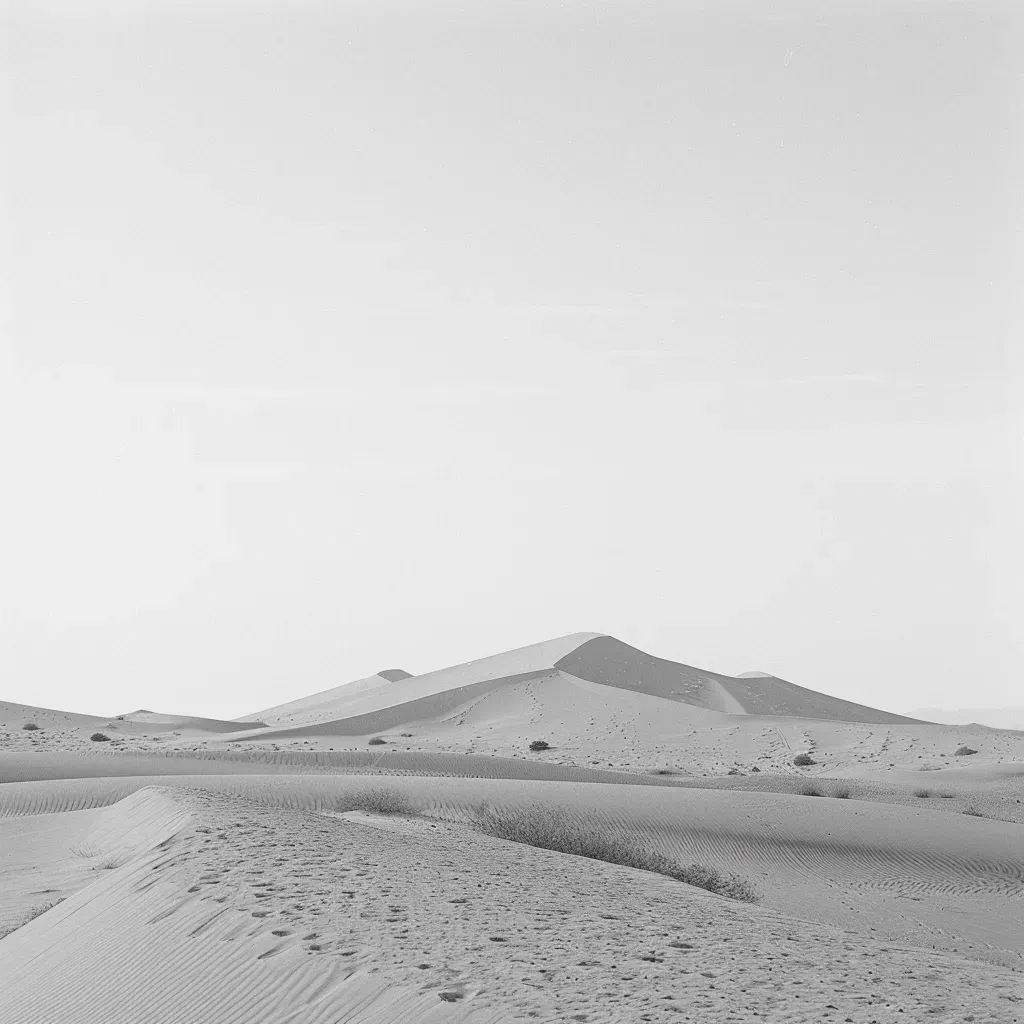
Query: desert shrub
{"x":923,"y":793}
{"x":30,"y":727}
{"x":406,"y":735}
{"x":810,"y":791}
{"x":31,"y":915}
{"x":964,"y":751}
{"x":946,"y":795}
{"x":99,"y":737}
{"x":375,"y":801}
{"x":663,"y":771}
{"x":803,"y":760}
{"x":973,"y":812}
{"x":547,"y":829}
{"x":842,"y":793}
{"x":376,"y":741}
{"x":540,"y":745}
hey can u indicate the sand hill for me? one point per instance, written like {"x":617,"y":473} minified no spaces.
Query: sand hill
{"x":392,"y":850}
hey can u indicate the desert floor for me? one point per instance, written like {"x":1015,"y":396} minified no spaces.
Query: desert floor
{"x":187,"y":870}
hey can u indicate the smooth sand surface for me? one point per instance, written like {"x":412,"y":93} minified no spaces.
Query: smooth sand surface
{"x":192,"y":869}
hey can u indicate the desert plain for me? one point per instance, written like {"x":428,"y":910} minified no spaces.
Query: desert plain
{"x":572,"y":831}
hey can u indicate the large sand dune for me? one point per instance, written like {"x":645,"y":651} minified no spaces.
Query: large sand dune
{"x":382,"y":702}
{"x":191,"y":869}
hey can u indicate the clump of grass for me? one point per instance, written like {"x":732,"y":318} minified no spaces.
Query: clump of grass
{"x":376,"y":741}
{"x":964,"y":751}
{"x":973,"y":812}
{"x":803,"y":760}
{"x":100,"y":737}
{"x":810,"y":791}
{"x":842,"y":793}
{"x":537,"y":745}
{"x":30,"y":727}
{"x":375,"y":801}
{"x":548,"y":829}
{"x":922,"y":793}
{"x":31,"y":915}
{"x":946,"y":795}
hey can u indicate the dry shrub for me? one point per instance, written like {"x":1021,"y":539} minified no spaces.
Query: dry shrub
{"x":548,"y":829}
{"x":376,"y":741}
{"x":540,"y":745}
{"x":803,"y":760}
{"x":964,"y":751}
{"x":31,"y":915}
{"x":30,"y":727}
{"x":375,"y":801}
{"x":99,"y":737}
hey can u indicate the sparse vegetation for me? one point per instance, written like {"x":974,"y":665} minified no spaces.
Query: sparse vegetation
{"x":540,"y":745}
{"x":964,"y":751}
{"x":406,"y":735}
{"x":803,"y":760}
{"x":945,"y":795}
{"x":973,"y":812}
{"x":375,"y":801}
{"x":810,"y":791}
{"x":376,"y":741}
{"x":30,"y":727}
{"x":548,"y":829}
{"x":922,"y":793}
{"x":100,"y":737}
{"x":31,"y":915}
{"x":842,"y":793}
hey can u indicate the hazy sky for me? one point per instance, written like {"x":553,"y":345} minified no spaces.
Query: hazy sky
{"x":344,"y":336}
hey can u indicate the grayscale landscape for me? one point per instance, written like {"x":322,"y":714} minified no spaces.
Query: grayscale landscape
{"x":510,"y":511}
{"x":574,"y":830}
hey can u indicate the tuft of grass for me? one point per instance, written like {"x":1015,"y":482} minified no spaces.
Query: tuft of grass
{"x":30,"y":727}
{"x":842,"y":793}
{"x":540,"y":745}
{"x":810,"y":791}
{"x":100,"y":737}
{"x":376,"y":741}
{"x":36,"y":911}
{"x":375,"y":801}
{"x":548,"y":829}
{"x":963,"y":751}
{"x":945,"y":795}
{"x":973,"y":812}
{"x":922,"y":793}
{"x":803,"y":760}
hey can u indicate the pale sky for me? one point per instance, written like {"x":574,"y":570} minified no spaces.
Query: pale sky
{"x":345,"y":336}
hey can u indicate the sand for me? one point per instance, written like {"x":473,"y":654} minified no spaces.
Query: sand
{"x":194,"y":869}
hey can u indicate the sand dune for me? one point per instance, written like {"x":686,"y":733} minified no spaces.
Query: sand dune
{"x":234,"y":872}
{"x":134,"y":945}
{"x":915,"y":875}
{"x":994,"y":718}
{"x":379,"y":702}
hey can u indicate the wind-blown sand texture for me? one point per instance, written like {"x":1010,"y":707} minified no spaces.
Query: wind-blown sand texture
{"x":202,"y":870}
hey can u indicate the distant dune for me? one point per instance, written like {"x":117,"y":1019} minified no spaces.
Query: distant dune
{"x":394,"y":698}
{"x":329,"y":858}
{"x":994,"y":718}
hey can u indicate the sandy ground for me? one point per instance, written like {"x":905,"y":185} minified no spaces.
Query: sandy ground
{"x":188,"y":869}
{"x":419,"y":908}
